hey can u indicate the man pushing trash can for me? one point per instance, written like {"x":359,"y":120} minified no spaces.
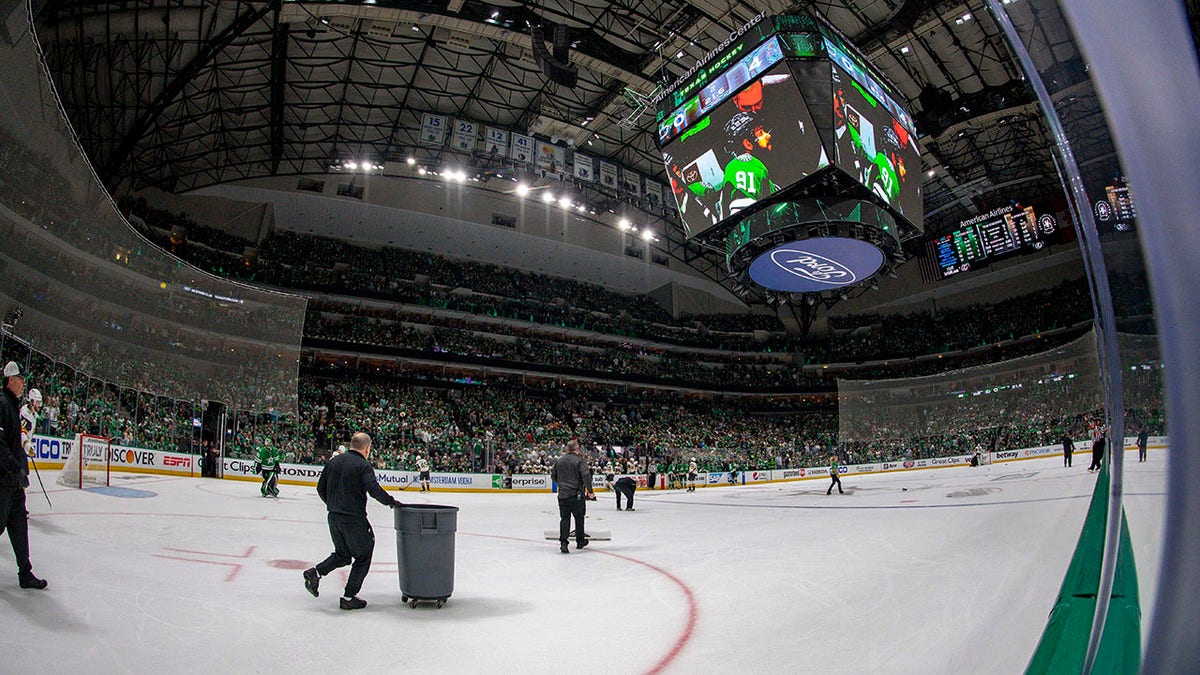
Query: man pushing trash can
{"x":344,"y":485}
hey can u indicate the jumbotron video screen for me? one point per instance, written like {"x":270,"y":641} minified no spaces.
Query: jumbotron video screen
{"x":874,"y":146}
{"x":758,"y":141}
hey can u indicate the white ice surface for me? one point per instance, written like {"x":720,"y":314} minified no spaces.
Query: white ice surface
{"x":954,"y":574}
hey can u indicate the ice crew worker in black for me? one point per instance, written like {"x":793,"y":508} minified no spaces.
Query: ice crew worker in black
{"x":625,"y":486}
{"x":14,"y":476}
{"x":574,"y":481}
{"x":343,"y":486}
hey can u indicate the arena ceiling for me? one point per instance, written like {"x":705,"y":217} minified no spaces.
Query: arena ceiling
{"x":182,"y":94}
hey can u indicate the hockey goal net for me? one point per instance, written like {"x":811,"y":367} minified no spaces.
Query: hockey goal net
{"x":87,"y":462}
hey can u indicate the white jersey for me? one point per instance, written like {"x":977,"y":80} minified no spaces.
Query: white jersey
{"x":422,"y":465}
{"x":28,"y":424}
{"x":692,"y":468}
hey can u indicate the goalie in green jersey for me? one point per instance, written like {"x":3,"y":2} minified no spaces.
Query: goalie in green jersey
{"x":747,"y":178}
{"x":268,"y":465}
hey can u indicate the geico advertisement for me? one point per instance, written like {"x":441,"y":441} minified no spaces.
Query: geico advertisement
{"x":49,"y":449}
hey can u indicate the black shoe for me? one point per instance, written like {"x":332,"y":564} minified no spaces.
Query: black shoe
{"x":581,"y":544}
{"x":312,"y":581}
{"x":618,"y":508}
{"x":629,"y":509}
{"x":563,"y":548}
{"x":352,"y":603}
{"x":27,"y":580}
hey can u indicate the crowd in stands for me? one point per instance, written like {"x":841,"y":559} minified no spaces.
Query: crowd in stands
{"x":513,"y":428}
{"x":412,"y":280}
{"x":459,"y":308}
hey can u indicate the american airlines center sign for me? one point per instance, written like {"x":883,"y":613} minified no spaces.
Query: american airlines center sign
{"x":815,"y":265}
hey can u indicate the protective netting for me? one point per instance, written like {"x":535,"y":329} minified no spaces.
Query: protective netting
{"x":78,"y":284}
{"x":956,"y":408}
{"x":961,"y":410}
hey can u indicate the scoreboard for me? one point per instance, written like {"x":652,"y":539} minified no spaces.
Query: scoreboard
{"x":983,"y":238}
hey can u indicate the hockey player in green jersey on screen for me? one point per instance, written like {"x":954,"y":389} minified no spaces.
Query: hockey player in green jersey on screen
{"x":747,"y":178}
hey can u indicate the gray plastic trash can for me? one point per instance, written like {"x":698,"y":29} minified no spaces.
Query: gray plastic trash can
{"x":425,"y":552}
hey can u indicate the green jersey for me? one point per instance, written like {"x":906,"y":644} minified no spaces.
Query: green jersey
{"x":268,"y":456}
{"x":747,"y":177}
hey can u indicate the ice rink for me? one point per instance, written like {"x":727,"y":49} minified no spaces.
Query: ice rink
{"x":935,"y":571}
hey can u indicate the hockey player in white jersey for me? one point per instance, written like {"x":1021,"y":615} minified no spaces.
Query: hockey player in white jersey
{"x":693,"y":469}
{"x":29,"y":419}
{"x":423,"y":473}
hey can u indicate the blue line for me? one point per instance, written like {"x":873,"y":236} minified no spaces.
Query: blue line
{"x":871,"y":508}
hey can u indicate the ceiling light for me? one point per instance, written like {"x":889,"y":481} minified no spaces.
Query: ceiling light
{"x":565,"y":202}
{"x":679,"y":55}
{"x":905,"y":49}
{"x":411,"y":161}
{"x":522,"y":189}
{"x":548,"y":197}
{"x":623,"y":224}
{"x":351,"y":165}
{"x":647,"y":234}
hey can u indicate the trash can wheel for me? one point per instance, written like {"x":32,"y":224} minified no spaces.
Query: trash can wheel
{"x":412,"y":603}
{"x":440,"y":603}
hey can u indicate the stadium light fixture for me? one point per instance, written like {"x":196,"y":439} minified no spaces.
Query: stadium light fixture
{"x":647,"y":234}
{"x":565,"y":202}
{"x":624,"y":224}
{"x":522,"y":189}
{"x":548,"y":197}
{"x":410,"y":161}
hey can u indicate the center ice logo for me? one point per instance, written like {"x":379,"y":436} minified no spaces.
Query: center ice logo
{"x":813,"y":267}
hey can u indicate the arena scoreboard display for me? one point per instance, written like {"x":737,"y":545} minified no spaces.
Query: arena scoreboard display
{"x":1114,"y":208}
{"x":988,"y":236}
{"x":785,"y":102}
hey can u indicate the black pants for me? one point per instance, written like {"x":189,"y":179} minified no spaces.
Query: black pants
{"x":571,"y":506}
{"x":836,"y":481}
{"x":270,"y":484}
{"x":353,"y":541}
{"x":15,"y":520}
{"x":626,"y":489}
{"x":1141,"y":453}
{"x":1067,"y":457}
{"x":1097,"y":457}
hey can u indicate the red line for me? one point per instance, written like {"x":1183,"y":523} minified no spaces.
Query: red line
{"x":237,"y":567}
{"x":658,"y":667}
{"x":693,"y":613}
{"x":223,"y":555}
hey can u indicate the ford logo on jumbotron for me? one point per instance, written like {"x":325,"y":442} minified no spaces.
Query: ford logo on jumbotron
{"x":816,"y":264}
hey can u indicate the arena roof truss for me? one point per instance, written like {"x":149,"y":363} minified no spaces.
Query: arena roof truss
{"x":182,"y":94}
